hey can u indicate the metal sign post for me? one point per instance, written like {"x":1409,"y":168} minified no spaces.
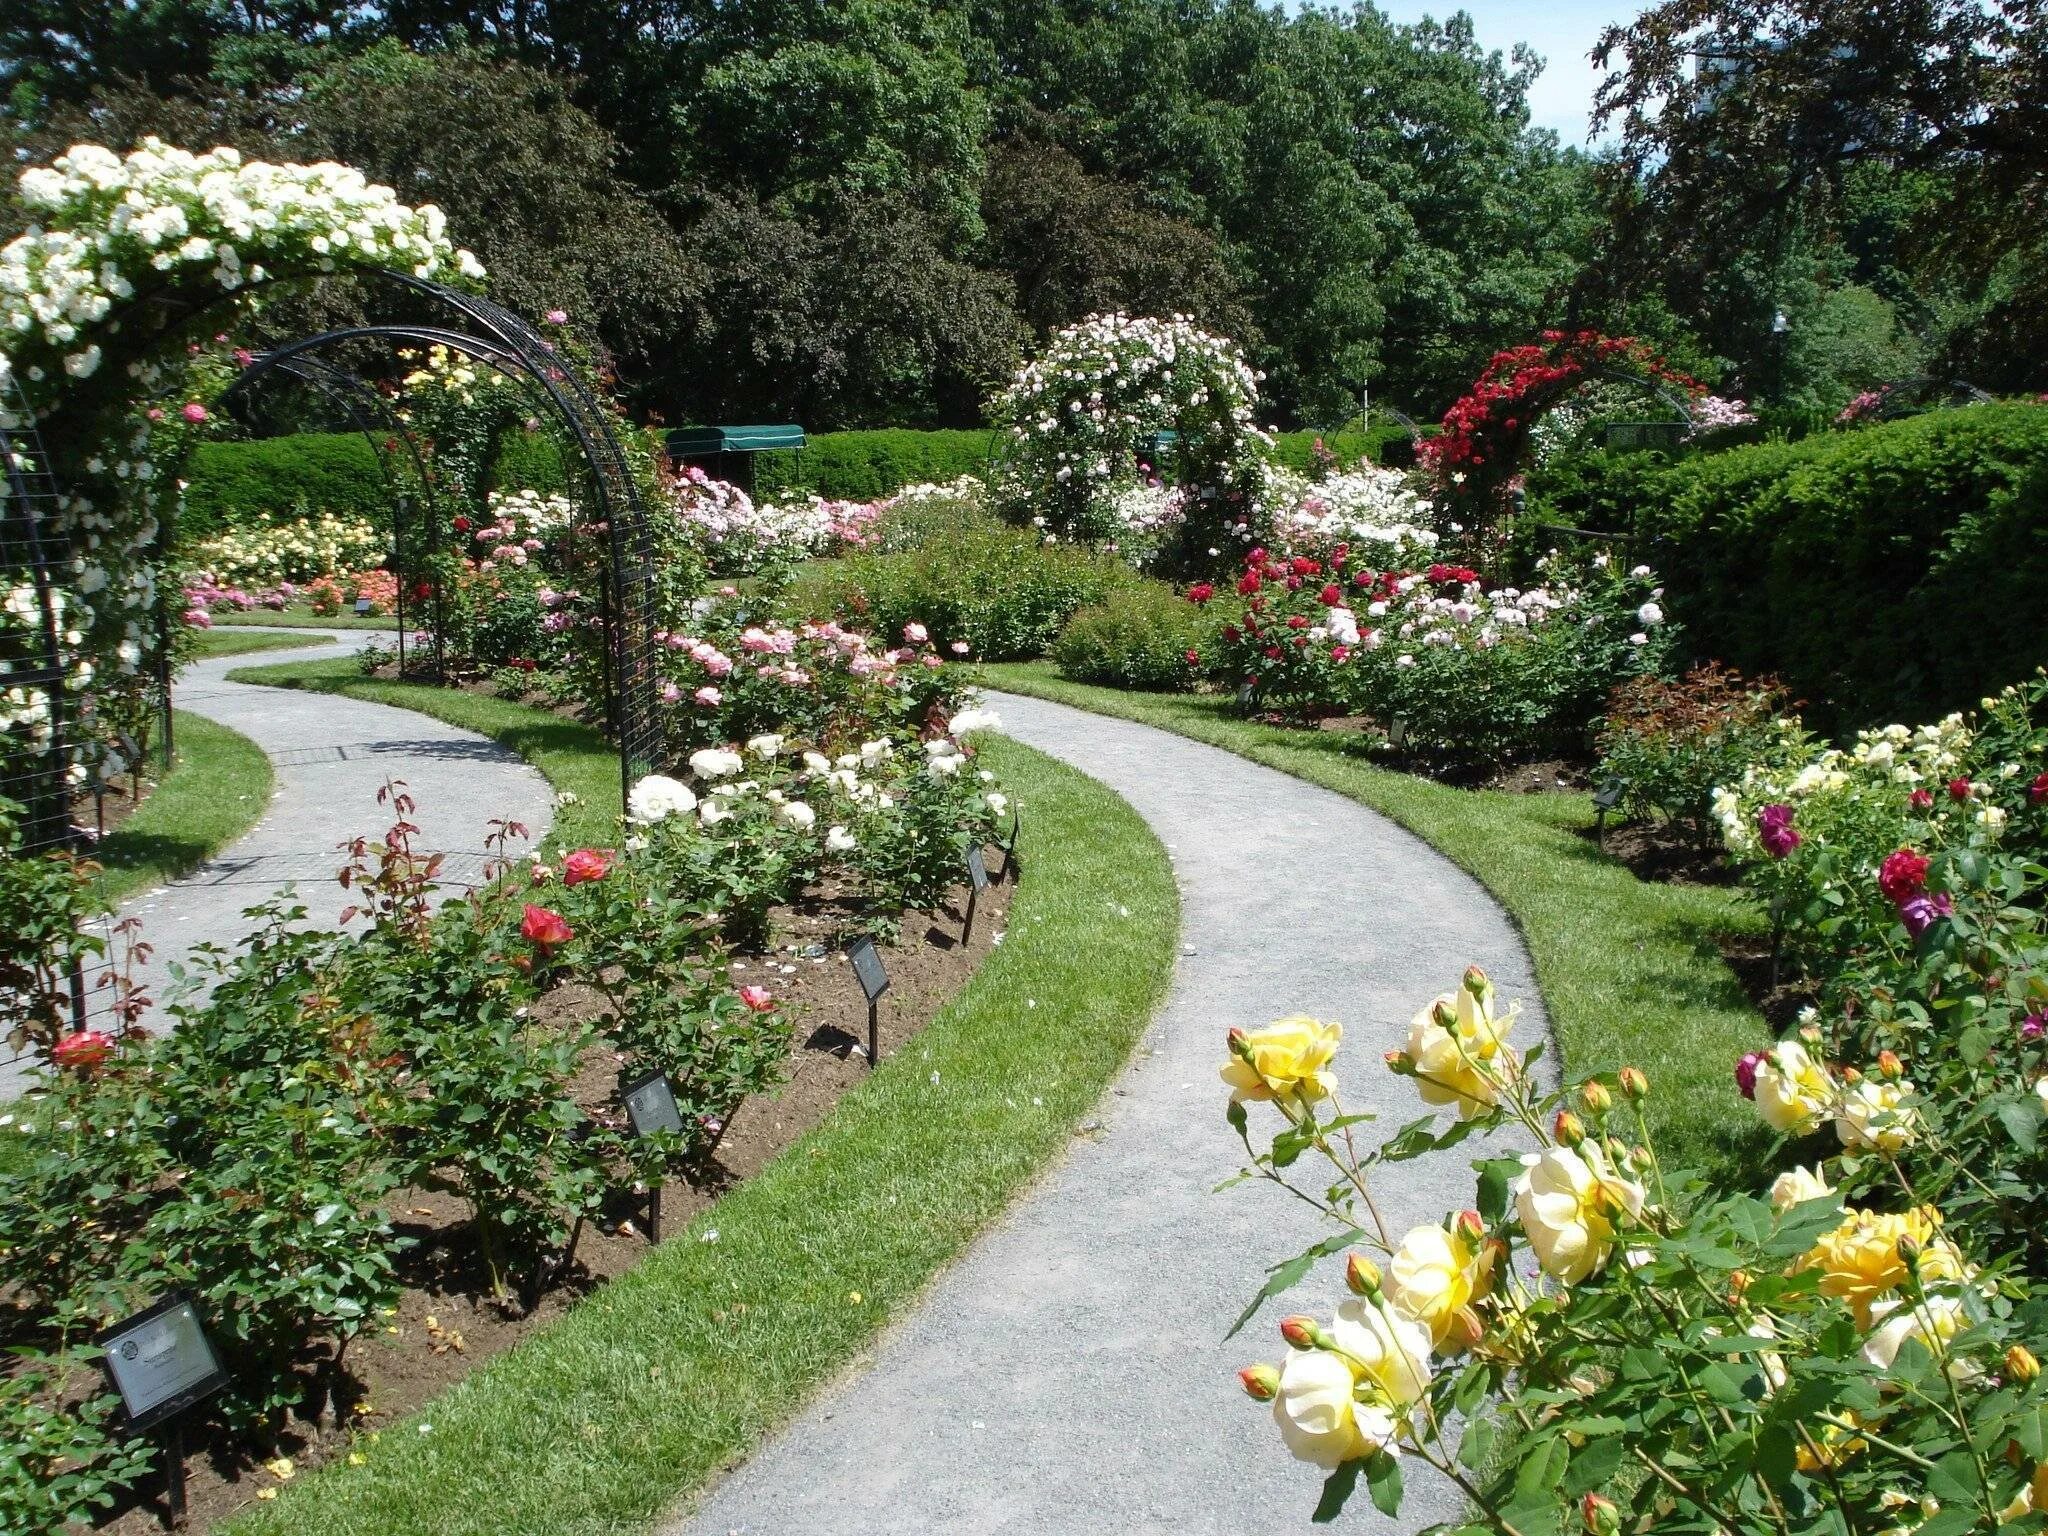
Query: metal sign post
{"x":874,"y":981}
{"x":162,"y":1363}
{"x":977,"y":882}
{"x":651,"y":1107}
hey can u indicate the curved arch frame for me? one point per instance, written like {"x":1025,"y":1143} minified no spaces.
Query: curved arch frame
{"x":503,"y":340}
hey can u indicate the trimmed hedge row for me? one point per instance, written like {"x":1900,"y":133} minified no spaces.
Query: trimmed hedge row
{"x":229,"y":484}
{"x":864,"y":466}
{"x":1892,"y":573}
{"x":1387,"y":443}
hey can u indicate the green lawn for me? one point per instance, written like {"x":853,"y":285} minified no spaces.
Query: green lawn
{"x":1630,"y":971}
{"x":573,"y":757}
{"x":214,"y":792}
{"x":599,"y":1423}
{"x":299,"y":614}
{"x":230,"y":642}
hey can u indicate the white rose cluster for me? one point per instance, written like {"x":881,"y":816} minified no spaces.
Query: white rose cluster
{"x":1373,"y":510}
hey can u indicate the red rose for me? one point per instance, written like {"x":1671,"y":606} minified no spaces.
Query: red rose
{"x":1248,"y":583}
{"x":1921,"y":800}
{"x":1340,"y":653}
{"x":758,"y":999}
{"x":2038,"y":790}
{"x":1303,"y":566}
{"x":1959,"y":789}
{"x":460,"y":525}
{"x":1273,"y":653}
{"x":1232,"y":633}
{"x":1331,"y":595}
{"x":1902,"y":874}
{"x":1201,"y":592}
{"x":545,"y":929}
{"x":1194,"y":658}
{"x":83,"y":1051}
{"x":1296,"y":621}
{"x":585,"y":864}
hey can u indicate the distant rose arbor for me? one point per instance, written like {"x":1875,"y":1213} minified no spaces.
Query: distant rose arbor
{"x":121,"y":308}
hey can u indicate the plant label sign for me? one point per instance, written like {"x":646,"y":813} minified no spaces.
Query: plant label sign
{"x":867,"y":967}
{"x":161,"y":1362}
{"x":651,"y":1106}
{"x":977,"y":867}
{"x":1010,"y":838}
{"x":363,"y":606}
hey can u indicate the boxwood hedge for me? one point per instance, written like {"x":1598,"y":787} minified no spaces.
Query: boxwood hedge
{"x":1890,"y":573}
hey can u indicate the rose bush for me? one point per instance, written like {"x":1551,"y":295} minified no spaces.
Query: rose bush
{"x":1605,"y":1343}
{"x":1468,"y":671}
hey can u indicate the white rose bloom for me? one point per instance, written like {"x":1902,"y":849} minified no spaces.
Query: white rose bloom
{"x":997,"y":803}
{"x":817,"y":762}
{"x":1649,"y":615}
{"x":839,"y":840}
{"x":715,"y":763}
{"x":712,"y":812}
{"x":798,"y":815}
{"x":657,"y":797}
{"x":768,"y":744}
{"x":974,"y":720}
{"x":1795,"y":1186}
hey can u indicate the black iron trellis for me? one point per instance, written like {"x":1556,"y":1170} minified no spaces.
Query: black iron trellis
{"x":503,"y":340}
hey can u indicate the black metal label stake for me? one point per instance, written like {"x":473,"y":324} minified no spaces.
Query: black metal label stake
{"x":977,"y":882}
{"x":874,"y":981}
{"x":1009,"y":843}
{"x":1605,"y":799}
{"x":651,"y":1107}
{"x":161,"y":1363}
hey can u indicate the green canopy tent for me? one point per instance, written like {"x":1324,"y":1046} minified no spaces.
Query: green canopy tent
{"x":727,"y":453}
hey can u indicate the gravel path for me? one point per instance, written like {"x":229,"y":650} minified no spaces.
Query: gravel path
{"x":1069,"y":1376}
{"x":330,"y":755}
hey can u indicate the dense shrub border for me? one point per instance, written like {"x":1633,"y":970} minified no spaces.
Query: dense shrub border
{"x":228,"y":485}
{"x":646,"y":1390}
{"x":1629,"y":971}
{"x":863,"y":466}
{"x":1892,"y":572}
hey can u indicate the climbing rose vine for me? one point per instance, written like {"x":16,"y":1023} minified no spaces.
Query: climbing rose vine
{"x":113,"y":229}
{"x":1486,"y":432}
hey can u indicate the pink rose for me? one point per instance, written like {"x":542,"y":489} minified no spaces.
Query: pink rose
{"x":709,"y":697}
{"x":194,"y":412}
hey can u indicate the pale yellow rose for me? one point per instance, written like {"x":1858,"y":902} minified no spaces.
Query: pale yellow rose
{"x":1389,"y":1352}
{"x":1287,"y":1060}
{"x":1859,"y":1261}
{"x":1798,"y":1185}
{"x":1873,"y":1116}
{"x":1792,"y":1090}
{"x":1320,"y":1419}
{"x":1435,"y":1274}
{"x":2032,"y":1497}
{"x":1458,"y":1045}
{"x":1933,"y":1320}
{"x":1569,"y":1200}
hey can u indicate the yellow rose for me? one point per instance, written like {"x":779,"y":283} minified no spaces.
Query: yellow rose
{"x":1319,"y":1417}
{"x":1933,"y":1320}
{"x":1568,"y":1199}
{"x":1389,"y":1352}
{"x":1459,"y":1050}
{"x":1873,"y":1117}
{"x":2032,"y":1497}
{"x":1859,"y":1261}
{"x":1797,"y":1186}
{"x":1433,"y":1275}
{"x":1792,"y":1090}
{"x":1287,"y":1060}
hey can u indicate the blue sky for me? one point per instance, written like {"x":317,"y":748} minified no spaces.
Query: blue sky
{"x":1562,"y":31}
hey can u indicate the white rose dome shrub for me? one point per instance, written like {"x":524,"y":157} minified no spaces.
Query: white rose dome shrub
{"x":1076,"y":418}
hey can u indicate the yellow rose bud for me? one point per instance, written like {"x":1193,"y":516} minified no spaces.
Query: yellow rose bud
{"x":1300,"y":1331}
{"x":2020,"y":1364}
{"x":1568,"y":1130}
{"x":1362,"y":1275}
{"x":1400,"y":1063}
{"x":1470,"y":1226}
{"x":1260,"y":1382}
{"x":1477,"y":984}
{"x":1599,"y":1515}
{"x":1889,"y":1066}
{"x":1634,"y":1086}
{"x":1596,"y":1098}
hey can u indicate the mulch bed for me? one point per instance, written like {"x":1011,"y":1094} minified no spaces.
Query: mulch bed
{"x":447,"y":1324}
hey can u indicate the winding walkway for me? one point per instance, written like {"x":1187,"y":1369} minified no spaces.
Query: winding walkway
{"x":1069,"y":1377}
{"x":330,"y":756}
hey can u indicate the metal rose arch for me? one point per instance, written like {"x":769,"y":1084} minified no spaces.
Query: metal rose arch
{"x":489,"y":333}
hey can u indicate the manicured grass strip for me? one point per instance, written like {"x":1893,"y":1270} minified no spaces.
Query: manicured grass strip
{"x":216,"y":789}
{"x":646,"y":1390}
{"x":303,"y":617}
{"x":570,"y":756}
{"x":229,"y":642}
{"x":1630,"y":971}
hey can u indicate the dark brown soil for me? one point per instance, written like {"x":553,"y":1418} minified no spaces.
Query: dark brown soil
{"x":102,"y":814}
{"x":447,"y":1324}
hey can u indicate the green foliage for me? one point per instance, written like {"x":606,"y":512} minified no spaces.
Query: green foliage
{"x":1145,"y":636}
{"x":1004,"y":591}
{"x":1387,"y":443}
{"x":235,"y":485}
{"x":1670,"y":745}
{"x":866,"y":466}
{"x":60,"y":1457}
{"x":1893,"y":571}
